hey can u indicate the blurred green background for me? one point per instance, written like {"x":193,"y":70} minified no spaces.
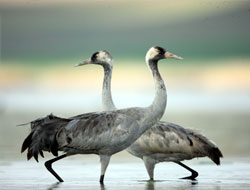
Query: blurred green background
{"x":209,"y":90}
{"x":41,"y":31}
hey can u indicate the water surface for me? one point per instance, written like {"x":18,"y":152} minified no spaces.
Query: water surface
{"x":83,"y":173}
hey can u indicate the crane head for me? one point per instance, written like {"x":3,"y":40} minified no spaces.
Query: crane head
{"x":102,"y":57}
{"x":156,"y":53}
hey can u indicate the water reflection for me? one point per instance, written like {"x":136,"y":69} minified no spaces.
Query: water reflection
{"x":54,"y":186}
{"x":192,"y":185}
{"x":150,"y":185}
{"x":102,"y":187}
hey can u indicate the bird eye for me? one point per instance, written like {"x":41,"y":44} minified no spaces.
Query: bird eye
{"x":94,"y":56}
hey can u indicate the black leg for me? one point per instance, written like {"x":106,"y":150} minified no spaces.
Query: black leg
{"x":101,"y":179}
{"x":48,"y":165}
{"x":194,"y":173}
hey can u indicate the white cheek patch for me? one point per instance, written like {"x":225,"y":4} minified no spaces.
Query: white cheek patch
{"x":103,"y":56}
{"x":152,"y":52}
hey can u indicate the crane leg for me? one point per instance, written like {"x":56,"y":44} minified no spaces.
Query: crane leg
{"x":104,"y":164}
{"x":48,"y":165}
{"x":194,"y":173}
{"x":150,"y":166}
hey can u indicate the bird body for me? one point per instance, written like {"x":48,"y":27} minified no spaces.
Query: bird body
{"x":164,"y":141}
{"x":101,"y":133}
{"x":167,"y":141}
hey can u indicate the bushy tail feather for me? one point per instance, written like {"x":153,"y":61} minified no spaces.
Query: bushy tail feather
{"x":215,"y":155}
{"x":208,"y":148}
{"x":27,"y":142}
{"x":54,"y":147}
{"x":42,"y":136}
{"x":41,"y":153}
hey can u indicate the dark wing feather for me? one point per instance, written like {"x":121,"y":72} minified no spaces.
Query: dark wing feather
{"x":27,"y":142}
{"x":42,"y":136}
{"x":207,"y":147}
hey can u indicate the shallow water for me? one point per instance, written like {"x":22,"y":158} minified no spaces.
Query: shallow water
{"x":82,"y":172}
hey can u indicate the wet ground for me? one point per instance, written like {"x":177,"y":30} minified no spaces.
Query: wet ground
{"x":83,"y":172}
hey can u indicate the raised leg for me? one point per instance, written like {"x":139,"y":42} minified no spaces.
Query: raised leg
{"x":104,"y":164}
{"x":150,"y":165}
{"x":194,"y":173}
{"x":48,"y":165}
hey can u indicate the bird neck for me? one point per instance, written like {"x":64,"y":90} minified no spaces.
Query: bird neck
{"x":157,"y":108}
{"x":107,"y":101}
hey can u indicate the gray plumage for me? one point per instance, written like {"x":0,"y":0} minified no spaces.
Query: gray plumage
{"x":164,"y":141}
{"x":102,"y":133}
{"x":170,"y":142}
